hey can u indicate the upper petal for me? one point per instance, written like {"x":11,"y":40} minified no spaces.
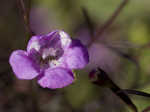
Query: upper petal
{"x":56,"y":78}
{"x":34,"y":43}
{"x":38,"y":41}
{"x":76,"y":56}
{"x":65,"y":39}
{"x":56,"y":38}
{"x":22,"y":65}
{"x":52,"y":44}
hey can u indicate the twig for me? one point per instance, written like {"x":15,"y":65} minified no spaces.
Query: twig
{"x":107,"y":24}
{"x":135,"y":92}
{"x":103,"y":80}
{"x":111,"y":19}
{"x":25,"y":14}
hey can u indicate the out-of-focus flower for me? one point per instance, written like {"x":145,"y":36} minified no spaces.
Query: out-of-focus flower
{"x":50,"y":58}
{"x":105,"y":58}
{"x":42,"y":20}
{"x":84,"y":36}
{"x":100,"y":55}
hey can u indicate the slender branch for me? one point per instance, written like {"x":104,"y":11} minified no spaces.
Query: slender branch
{"x":103,"y":80}
{"x":111,"y":19}
{"x":25,"y":14}
{"x":107,"y":24}
{"x":135,"y":92}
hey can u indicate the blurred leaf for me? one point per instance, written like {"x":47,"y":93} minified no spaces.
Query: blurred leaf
{"x":144,"y":60}
{"x":80,"y":92}
{"x":138,"y":33}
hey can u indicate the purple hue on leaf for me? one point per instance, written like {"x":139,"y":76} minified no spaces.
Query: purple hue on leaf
{"x":50,"y":58}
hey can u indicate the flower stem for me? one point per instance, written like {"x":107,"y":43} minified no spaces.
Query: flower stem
{"x":103,"y":80}
{"x":135,"y":92}
{"x":25,"y":14}
{"x":103,"y":28}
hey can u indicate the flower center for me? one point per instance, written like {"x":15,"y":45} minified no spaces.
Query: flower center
{"x":50,"y":57}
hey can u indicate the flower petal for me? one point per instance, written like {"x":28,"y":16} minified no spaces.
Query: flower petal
{"x":52,"y":44}
{"x":34,"y":43}
{"x":76,"y":56}
{"x":107,"y":59}
{"x":22,"y":65}
{"x":56,"y":78}
{"x":39,"y":41}
{"x":53,"y":39}
{"x":65,"y":39}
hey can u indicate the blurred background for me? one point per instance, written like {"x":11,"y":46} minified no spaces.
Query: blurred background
{"x":123,"y":51}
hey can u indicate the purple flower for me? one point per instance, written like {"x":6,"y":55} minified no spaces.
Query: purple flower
{"x":50,"y":58}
